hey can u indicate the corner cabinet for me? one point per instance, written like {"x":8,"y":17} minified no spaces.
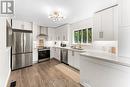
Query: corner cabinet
{"x":106,"y":25}
{"x":20,"y":25}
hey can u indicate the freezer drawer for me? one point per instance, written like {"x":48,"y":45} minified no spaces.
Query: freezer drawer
{"x":28,"y":59}
{"x":21,"y":60}
{"x":18,"y":61}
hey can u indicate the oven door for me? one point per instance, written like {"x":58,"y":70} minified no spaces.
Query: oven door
{"x":43,"y":55}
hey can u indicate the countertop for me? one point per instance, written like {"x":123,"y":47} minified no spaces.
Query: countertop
{"x":107,"y":57}
{"x":68,"y":48}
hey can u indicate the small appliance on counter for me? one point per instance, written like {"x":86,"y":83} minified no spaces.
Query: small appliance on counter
{"x":43,"y":54}
{"x":63,"y":45}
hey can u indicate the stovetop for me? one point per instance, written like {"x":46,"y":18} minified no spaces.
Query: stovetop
{"x":44,"y":48}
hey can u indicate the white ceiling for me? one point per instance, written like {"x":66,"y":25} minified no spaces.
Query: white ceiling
{"x":74,"y":10}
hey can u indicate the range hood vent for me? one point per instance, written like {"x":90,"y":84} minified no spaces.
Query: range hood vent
{"x":43,"y":31}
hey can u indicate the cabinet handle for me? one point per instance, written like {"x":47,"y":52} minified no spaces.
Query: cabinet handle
{"x":101,"y":34}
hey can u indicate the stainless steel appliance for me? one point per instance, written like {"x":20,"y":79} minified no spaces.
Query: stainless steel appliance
{"x":43,"y":54}
{"x":64,"y":56}
{"x":21,"y":49}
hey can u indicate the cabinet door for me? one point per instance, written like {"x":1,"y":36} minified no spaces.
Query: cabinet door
{"x":55,"y":54}
{"x":17,"y":24}
{"x":52,"y":53}
{"x":65,"y":34}
{"x":124,"y":13}
{"x":107,"y":24}
{"x":49,"y":34}
{"x":58,"y":53}
{"x":71,"y":58}
{"x":77,"y":60}
{"x":116,"y":23}
{"x":97,"y":26}
{"x":56,"y":34}
{"x":27,"y":26}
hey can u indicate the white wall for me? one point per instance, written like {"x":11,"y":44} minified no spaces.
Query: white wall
{"x":4,"y":55}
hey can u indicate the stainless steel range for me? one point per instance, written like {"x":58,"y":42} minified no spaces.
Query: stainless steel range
{"x":43,"y":54}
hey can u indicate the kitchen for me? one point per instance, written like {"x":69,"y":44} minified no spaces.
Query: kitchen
{"x":84,"y":47}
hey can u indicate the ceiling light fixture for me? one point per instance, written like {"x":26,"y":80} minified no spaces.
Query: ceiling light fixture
{"x":56,"y":16}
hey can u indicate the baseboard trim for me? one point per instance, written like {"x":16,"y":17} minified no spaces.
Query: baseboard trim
{"x":56,"y":59}
{"x":7,"y":80}
{"x":34,"y":62}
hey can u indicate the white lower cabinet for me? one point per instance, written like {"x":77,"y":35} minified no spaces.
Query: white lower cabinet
{"x":71,"y":58}
{"x":55,"y":53}
{"x":99,"y":73}
{"x":74,"y":59}
{"x":52,"y":52}
{"x":77,"y":60}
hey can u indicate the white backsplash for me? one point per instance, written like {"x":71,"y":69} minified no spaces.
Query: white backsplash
{"x":105,"y":45}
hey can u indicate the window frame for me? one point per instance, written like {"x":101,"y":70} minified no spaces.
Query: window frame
{"x":87,"y":42}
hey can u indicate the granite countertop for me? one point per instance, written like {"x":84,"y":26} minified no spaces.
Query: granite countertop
{"x":107,"y":57}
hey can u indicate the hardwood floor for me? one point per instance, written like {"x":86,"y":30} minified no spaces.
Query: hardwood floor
{"x":46,"y":74}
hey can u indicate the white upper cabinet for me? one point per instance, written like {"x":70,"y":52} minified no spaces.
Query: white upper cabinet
{"x":97,"y":26}
{"x":17,"y":24}
{"x":106,"y":25}
{"x":27,"y":26}
{"x":21,"y":25}
{"x":124,"y":19}
{"x":51,"y":34}
{"x":62,"y":33}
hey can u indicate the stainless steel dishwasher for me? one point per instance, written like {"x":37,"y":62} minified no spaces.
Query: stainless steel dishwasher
{"x":64,"y":56}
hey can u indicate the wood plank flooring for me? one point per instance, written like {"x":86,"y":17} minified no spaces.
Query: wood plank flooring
{"x":46,"y":74}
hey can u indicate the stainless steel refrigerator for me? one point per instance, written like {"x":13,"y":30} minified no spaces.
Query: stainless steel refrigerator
{"x":21,"y":49}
